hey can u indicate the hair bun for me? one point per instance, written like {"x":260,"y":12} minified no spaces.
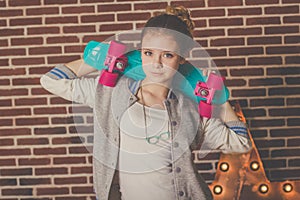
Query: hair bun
{"x":182,"y":13}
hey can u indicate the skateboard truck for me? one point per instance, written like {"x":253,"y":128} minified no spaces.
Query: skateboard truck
{"x":207,"y":92}
{"x":115,"y":62}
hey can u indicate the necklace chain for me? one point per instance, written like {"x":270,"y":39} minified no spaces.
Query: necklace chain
{"x":149,"y":139}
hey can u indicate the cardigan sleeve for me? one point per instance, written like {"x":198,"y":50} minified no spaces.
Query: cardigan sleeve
{"x":230,"y":137}
{"x":62,"y":82}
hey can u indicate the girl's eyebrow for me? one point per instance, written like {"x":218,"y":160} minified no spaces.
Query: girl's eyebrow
{"x":146,"y":49}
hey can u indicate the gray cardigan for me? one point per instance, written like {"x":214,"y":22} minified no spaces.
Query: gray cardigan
{"x":188,"y":131}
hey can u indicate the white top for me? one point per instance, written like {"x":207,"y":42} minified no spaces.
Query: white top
{"x":145,"y":170}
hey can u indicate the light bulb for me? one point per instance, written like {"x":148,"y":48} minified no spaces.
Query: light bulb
{"x":218,"y":189}
{"x":224,"y":166}
{"x":287,"y":187}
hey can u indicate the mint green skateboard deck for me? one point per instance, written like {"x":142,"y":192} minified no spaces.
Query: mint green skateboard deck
{"x":95,"y":54}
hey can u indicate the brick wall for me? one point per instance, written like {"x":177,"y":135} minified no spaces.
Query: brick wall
{"x":255,"y":43}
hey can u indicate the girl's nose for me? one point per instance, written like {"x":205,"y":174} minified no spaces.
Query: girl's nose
{"x":157,"y":61}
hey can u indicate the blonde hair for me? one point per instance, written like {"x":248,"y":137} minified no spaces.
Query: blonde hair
{"x":182,"y":13}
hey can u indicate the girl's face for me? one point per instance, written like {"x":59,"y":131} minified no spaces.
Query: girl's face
{"x":160,"y":58}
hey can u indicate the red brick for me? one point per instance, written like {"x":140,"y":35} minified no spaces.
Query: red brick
{"x":293,"y":101}
{"x":294,"y":162}
{"x":267,"y":123}
{"x":81,"y":170}
{"x":11,"y":13}
{"x":283,"y":71}
{"x":24,"y":3}
{"x":285,"y":132}
{"x":62,"y":39}
{"x":3,"y":62}
{"x":227,"y":42}
{"x":293,"y":121}
{"x":226,"y":22}
{"x":14,"y":92}
{"x":43,"y":30}
{"x":282,"y":10}
{"x":244,"y":11}
{"x":19,"y":191}
{"x":31,"y":121}
{"x":39,"y":70}
{"x":51,"y":171}
{"x":4,"y":43}
{"x":274,"y":163}
{"x":26,"y":81}
{"x":15,"y":112}
{"x":281,"y":29}
{"x":14,"y":152}
{"x":28,"y":61}
{"x":97,"y":18}
{"x":209,"y":33}
{"x":283,"y":50}
{"x":290,"y":1}
{"x":235,"y":82}
{"x":5,"y":102}
{"x":285,"y":152}
{"x":293,"y":81}
{"x":133,"y":16}
{"x":74,"y":49}
{"x":102,"y":8}
{"x":67,"y":120}
{"x":263,"y":40}
{"x":217,"y":3}
{"x":11,"y":32}
{"x":59,"y":100}
{"x":152,"y":6}
{"x":34,"y":161}
{"x":8,"y":182}
{"x":49,"y":151}
{"x":12,"y":52}
{"x":78,"y":10}
{"x":7,"y":162}
{"x":265,"y":81}
{"x":214,"y":52}
{"x":80,"y":150}
{"x":62,"y":2}
{"x":25,"y":21}
{"x":284,"y":91}
{"x":255,"y":2}
{"x":46,"y":111}
{"x":246,"y":51}
{"x":82,"y":190}
{"x":14,"y":132}
{"x":15,"y":71}
{"x":44,"y":50}
{"x":115,"y":27}
{"x":39,"y":91}
{"x":99,"y":37}
{"x":284,"y":111}
{"x":6,"y":142}
{"x":35,"y":181}
{"x":3,"y":23}
{"x":245,"y":31}
{"x":291,"y":39}
{"x":263,"y":21}
{"x":16,"y":172}
{"x":32,"y":141}
{"x":62,"y":59}
{"x":69,"y":140}
{"x":52,"y":191}
{"x":266,"y":102}
{"x":26,"y":41}
{"x":2,"y":83}
{"x":229,"y":62}
{"x":69,"y":160}
{"x":291,"y":19}
{"x":6,"y":122}
{"x":81,"y":129}
{"x":292,"y":60}
{"x":42,"y":11}
{"x":70,"y":180}
{"x":250,"y":113}
{"x":48,"y":131}
{"x":61,"y":20}
{"x":249,"y":92}
{"x":265,"y":61}
{"x":30,"y":101}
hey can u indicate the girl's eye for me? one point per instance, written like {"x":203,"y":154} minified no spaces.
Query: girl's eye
{"x":168,"y":55}
{"x":148,"y":53}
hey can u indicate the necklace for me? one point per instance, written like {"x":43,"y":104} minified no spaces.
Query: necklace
{"x":156,"y":138}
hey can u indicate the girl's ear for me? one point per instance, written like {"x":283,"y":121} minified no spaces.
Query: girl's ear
{"x":182,"y":60}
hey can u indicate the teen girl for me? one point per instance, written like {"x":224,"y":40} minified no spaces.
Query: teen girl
{"x":145,"y":131}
